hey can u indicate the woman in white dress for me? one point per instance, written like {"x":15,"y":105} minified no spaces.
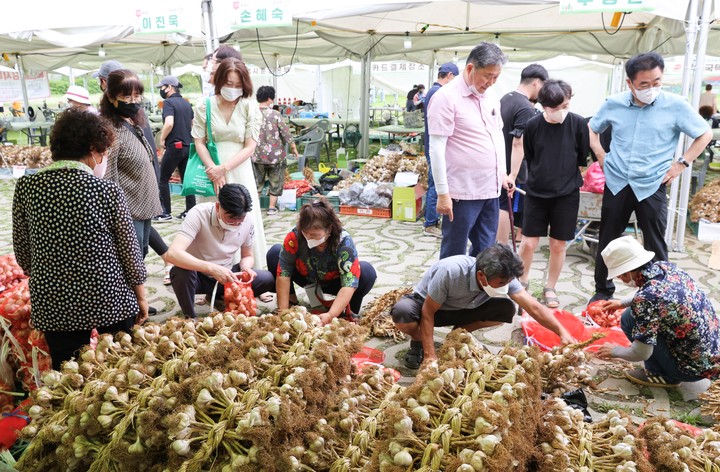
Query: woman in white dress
{"x":235,"y":126}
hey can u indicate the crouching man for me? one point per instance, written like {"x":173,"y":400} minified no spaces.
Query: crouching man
{"x":671,"y":323}
{"x":210,"y":236}
{"x":470,"y":293}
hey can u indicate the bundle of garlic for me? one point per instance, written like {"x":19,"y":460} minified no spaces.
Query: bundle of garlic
{"x":706,"y":203}
{"x":225,"y":393}
{"x":673,"y":448}
{"x":383,"y":169}
{"x":30,"y":156}
{"x":469,"y":411}
{"x":377,"y":315}
{"x":564,"y":369}
{"x":566,"y":442}
{"x":711,"y":401}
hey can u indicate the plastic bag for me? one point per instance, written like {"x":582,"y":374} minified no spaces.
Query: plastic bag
{"x":594,"y":180}
{"x":369,"y":194}
{"x":546,"y":339}
{"x":576,"y":399}
{"x":329,"y":180}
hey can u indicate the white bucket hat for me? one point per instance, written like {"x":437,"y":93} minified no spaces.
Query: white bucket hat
{"x":623,"y":255}
{"x":78,"y":94}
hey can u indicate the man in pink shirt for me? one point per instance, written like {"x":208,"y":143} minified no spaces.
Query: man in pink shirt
{"x":467,"y":152}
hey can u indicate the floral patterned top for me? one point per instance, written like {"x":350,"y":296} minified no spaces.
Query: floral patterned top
{"x":313,"y":264}
{"x":274,"y":136}
{"x":671,"y":305}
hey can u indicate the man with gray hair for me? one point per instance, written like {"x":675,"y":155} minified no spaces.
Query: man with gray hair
{"x":467,"y":151}
{"x":470,"y":293}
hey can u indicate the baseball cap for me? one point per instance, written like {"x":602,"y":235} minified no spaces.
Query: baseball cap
{"x":106,"y":68}
{"x":169,"y":80}
{"x":449,"y":67}
{"x":78,"y":94}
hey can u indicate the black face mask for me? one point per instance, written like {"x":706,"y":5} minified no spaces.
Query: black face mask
{"x":163,"y":93}
{"x":127,"y":110}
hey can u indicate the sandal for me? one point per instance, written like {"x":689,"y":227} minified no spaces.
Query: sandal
{"x":272,"y":211}
{"x":643,"y":377}
{"x":266,"y":297}
{"x":166,"y":279}
{"x":550,"y":302}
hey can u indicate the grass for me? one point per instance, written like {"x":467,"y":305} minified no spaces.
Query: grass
{"x":604,"y":407}
{"x":694,"y":419}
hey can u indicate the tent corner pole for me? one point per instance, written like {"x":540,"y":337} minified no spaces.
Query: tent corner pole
{"x":23,"y":84}
{"x":365,"y":67}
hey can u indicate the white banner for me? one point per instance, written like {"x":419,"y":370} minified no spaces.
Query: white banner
{"x":608,"y":6}
{"x":11,"y":88}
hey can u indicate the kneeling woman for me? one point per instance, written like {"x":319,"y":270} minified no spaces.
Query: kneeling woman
{"x":320,"y":256}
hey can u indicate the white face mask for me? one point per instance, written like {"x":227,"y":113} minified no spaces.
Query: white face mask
{"x":99,"y":169}
{"x":314,"y":242}
{"x":226,"y":226}
{"x":648,"y":95}
{"x":557,"y":116}
{"x":231,"y":94}
{"x":205,"y":76}
{"x":495,"y":292}
{"x":472,"y":87}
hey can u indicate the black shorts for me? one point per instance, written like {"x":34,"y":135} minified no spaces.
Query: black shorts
{"x":518,"y":203}
{"x":409,"y":310}
{"x":560,"y":213}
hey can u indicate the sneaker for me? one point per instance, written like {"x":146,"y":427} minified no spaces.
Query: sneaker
{"x":182,"y":215}
{"x":162,"y":218}
{"x":152,"y":311}
{"x":648,"y":379}
{"x":432,"y":231}
{"x":415,"y":355}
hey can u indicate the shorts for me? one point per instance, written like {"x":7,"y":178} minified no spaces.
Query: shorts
{"x":409,"y":310}
{"x":518,"y":204}
{"x":275,"y":174}
{"x":560,"y":213}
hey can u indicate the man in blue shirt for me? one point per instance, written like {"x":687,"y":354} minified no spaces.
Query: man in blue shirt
{"x":646,"y":125}
{"x":446,"y":73}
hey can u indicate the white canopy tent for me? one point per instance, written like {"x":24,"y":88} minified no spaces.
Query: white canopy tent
{"x":45,"y":35}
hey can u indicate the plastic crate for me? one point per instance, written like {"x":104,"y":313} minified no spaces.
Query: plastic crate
{"x":175,"y":189}
{"x":371,"y":212}
{"x":333,"y":201}
{"x":264,"y":202}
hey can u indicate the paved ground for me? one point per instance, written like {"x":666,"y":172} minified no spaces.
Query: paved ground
{"x":400,"y":253}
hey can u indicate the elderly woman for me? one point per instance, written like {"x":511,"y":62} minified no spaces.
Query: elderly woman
{"x":320,"y":256}
{"x":74,"y":237}
{"x":130,"y":162}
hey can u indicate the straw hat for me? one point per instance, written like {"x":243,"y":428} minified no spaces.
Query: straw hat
{"x":623,"y":255}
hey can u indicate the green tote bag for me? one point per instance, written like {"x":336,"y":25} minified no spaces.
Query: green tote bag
{"x":196,"y":181}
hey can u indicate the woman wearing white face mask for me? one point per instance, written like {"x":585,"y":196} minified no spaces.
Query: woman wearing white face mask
{"x":321,"y":257}
{"x":556,"y":146}
{"x":73,"y":236}
{"x":235,"y":126}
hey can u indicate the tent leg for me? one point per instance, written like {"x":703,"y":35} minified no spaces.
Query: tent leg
{"x":365,"y":106}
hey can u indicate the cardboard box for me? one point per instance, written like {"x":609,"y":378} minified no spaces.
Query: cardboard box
{"x":407,"y":203}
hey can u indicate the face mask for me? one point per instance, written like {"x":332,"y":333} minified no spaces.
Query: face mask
{"x":99,"y":169}
{"x":163,"y":94}
{"x":205,"y":76}
{"x":226,"y":226}
{"x":472,"y":88}
{"x":127,"y":110}
{"x":558,"y":116}
{"x":231,"y":94}
{"x":496,"y":292}
{"x":315,"y":242}
{"x":648,"y":95}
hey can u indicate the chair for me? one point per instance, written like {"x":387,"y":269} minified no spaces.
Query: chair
{"x":313,"y":141}
{"x":324,"y":125}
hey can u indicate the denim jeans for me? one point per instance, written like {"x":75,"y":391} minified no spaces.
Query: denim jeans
{"x":142,"y":231}
{"x":431,"y":216}
{"x":475,"y":220}
{"x":661,"y":362}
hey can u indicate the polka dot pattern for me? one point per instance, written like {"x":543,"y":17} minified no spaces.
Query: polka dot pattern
{"x":73,"y":235}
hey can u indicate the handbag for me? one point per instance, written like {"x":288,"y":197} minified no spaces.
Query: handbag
{"x":196,"y":181}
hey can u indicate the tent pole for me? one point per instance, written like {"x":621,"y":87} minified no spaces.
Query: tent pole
{"x":207,"y":19}
{"x":23,"y":85}
{"x":691,"y":36}
{"x":695,"y":102}
{"x":431,"y":74}
{"x":275,"y":72}
{"x":365,"y":65}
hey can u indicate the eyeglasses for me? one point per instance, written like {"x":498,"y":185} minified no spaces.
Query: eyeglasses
{"x":134,"y":99}
{"x":231,"y":221}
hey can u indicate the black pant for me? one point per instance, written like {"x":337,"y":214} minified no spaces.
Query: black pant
{"x":332,"y":287}
{"x":157,"y":243}
{"x":651,"y":216}
{"x":186,"y":283}
{"x":409,"y":310}
{"x":65,"y":345}
{"x":174,"y":158}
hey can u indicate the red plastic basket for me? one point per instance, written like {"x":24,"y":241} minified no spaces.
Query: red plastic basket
{"x":371,"y":212}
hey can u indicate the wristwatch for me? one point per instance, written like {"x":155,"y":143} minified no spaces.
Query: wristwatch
{"x":683,"y":162}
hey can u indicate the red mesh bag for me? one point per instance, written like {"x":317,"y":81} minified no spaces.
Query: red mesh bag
{"x":239,"y":297}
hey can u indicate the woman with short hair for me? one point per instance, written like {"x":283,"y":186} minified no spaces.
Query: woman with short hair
{"x":73,"y":236}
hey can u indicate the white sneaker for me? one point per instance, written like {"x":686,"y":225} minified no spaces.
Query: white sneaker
{"x":432,"y":231}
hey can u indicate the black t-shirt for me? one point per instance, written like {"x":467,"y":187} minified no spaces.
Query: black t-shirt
{"x":515,"y":109}
{"x":553,"y":153}
{"x":181,"y":110}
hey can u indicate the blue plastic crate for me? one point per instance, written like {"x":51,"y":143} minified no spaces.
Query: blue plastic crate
{"x":176,"y":189}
